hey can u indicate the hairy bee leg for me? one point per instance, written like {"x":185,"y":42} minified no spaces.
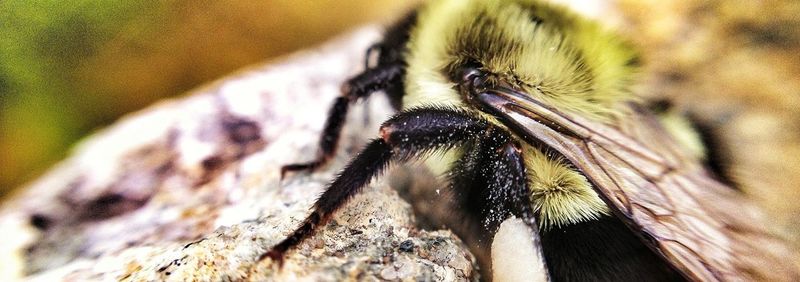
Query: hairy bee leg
{"x":370,"y":162}
{"x":404,"y":136}
{"x":509,"y":186}
{"x":510,"y":193}
{"x":492,"y":178}
{"x":358,"y":87}
{"x":490,"y":184}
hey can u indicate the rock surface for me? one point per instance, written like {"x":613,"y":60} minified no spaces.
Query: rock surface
{"x":189,"y":190}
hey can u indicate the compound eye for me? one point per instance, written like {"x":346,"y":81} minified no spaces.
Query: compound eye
{"x":476,"y":81}
{"x":473,"y":77}
{"x":470,"y":74}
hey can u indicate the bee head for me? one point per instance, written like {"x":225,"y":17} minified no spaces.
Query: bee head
{"x":542,"y":50}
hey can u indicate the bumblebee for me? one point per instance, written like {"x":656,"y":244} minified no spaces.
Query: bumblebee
{"x":534,"y":104}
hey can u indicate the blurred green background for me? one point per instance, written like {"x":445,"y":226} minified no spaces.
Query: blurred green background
{"x":70,"y":67}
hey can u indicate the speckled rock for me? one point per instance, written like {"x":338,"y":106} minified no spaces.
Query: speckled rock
{"x":189,"y":189}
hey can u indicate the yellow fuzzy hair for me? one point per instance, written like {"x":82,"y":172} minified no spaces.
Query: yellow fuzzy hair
{"x":560,"y":195}
{"x":553,"y":55}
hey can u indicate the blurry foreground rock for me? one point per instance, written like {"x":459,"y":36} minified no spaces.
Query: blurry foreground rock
{"x":189,"y":190}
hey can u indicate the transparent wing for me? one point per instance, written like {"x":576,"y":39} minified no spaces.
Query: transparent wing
{"x":707,"y":230}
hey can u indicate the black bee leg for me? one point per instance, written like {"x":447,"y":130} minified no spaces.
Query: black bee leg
{"x":403,"y":137}
{"x":358,"y":87}
{"x":508,"y":189}
{"x":490,"y":182}
{"x":369,"y":163}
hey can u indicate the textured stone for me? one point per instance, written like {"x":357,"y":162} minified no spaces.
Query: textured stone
{"x":189,"y":189}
